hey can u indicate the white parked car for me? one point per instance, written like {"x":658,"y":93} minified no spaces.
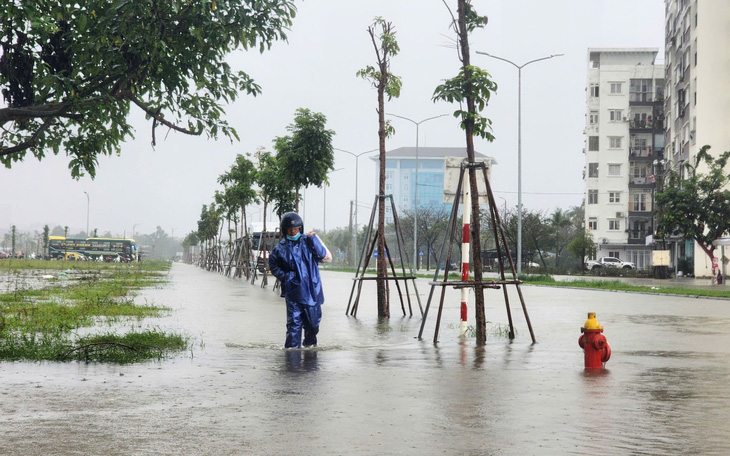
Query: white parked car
{"x":609,"y":262}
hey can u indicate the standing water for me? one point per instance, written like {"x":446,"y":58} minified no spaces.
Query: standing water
{"x":372,"y":388}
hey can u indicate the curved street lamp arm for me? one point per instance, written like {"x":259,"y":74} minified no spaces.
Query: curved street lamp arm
{"x":354,"y":154}
{"x":413,"y":121}
{"x":513,"y":63}
{"x":542,"y":58}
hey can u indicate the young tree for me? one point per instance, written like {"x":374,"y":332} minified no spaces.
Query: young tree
{"x":432,"y":225}
{"x":697,"y":206}
{"x":272,"y":187}
{"x":239,"y":187}
{"x":382,"y":34}
{"x":306,"y":155}
{"x":70,"y":72}
{"x":560,"y":225}
{"x":474,"y":87}
{"x":13,"y":237}
{"x":583,"y":247}
{"x":191,"y":240}
{"x":46,"y":237}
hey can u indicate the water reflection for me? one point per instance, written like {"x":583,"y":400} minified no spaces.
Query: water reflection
{"x":301,"y":360}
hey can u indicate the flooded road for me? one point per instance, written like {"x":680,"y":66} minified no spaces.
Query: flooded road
{"x":373,"y":388}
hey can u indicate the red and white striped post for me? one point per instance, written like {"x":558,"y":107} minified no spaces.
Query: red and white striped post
{"x":465,"y":233}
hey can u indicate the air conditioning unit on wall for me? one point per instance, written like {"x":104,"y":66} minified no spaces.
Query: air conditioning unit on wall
{"x":619,"y":214}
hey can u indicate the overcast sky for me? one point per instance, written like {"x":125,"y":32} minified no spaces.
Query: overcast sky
{"x":328,"y":43}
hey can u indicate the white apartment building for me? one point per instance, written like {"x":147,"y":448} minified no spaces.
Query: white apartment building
{"x":697,"y":61}
{"x":623,"y":150}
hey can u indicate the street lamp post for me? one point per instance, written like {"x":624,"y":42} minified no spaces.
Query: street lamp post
{"x":133,"y":229}
{"x":324,"y":212}
{"x":357,"y":163}
{"x":87,"y":214}
{"x":519,"y":146}
{"x":415,"y":187}
{"x":357,"y":174}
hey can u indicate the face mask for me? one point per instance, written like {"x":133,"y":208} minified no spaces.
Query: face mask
{"x":294,"y":238}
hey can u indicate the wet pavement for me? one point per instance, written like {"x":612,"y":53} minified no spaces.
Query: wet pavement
{"x":372,"y":388}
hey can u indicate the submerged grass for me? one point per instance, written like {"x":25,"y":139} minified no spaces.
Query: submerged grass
{"x":617,"y":285}
{"x":612,"y":285}
{"x":37,"y":324}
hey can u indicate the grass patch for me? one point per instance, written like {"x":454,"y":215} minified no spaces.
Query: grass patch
{"x":128,"y":348}
{"x":37,"y":324}
{"x":617,"y":285}
{"x":612,"y":285}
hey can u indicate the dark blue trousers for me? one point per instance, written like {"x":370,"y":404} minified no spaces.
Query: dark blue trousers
{"x":298,"y":317}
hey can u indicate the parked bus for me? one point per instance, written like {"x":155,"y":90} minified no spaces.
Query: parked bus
{"x":106,"y":249}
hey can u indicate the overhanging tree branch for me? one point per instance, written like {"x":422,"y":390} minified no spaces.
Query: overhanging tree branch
{"x":30,"y":142}
{"x":156,"y":115}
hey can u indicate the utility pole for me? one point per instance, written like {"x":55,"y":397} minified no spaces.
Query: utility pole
{"x":352,"y":236}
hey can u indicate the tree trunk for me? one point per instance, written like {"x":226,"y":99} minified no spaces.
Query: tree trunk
{"x":296,"y":200}
{"x":476,"y":249}
{"x":383,"y":306}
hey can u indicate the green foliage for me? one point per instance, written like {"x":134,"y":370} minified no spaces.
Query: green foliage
{"x":583,"y":246}
{"x":386,"y":47}
{"x":475,"y":83}
{"x":191,"y":239}
{"x":473,"y":19}
{"x":306,"y":155}
{"x":71,"y":71}
{"x":209,"y":222}
{"x":272,"y":184}
{"x":698,"y":205}
{"x":238,"y":185}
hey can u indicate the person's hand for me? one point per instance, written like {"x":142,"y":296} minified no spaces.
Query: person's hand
{"x":311,"y":233}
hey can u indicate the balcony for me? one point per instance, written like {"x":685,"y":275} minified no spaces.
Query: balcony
{"x":641,"y":124}
{"x":637,"y":236}
{"x":641,"y":152}
{"x":642,"y":207}
{"x":642,"y":182}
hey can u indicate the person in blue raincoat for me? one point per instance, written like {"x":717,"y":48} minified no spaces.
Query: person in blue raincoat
{"x":294,"y":262}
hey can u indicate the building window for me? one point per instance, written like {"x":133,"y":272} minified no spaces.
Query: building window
{"x":592,"y":196}
{"x":405,"y":177}
{"x":615,"y":115}
{"x":639,"y":202}
{"x":388,"y":187}
{"x":388,"y":175}
{"x":593,"y":143}
{"x":614,"y":169}
{"x":613,"y":254}
{"x":593,"y":118}
{"x":592,"y":169}
{"x":614,"y":197}
{"x":614,"y":225}
{"x":615,"y":87}
{"x":614,"y":142}
{"x":592,"y":224}
{"x":594,"y":90}
{"x":639,"y":173}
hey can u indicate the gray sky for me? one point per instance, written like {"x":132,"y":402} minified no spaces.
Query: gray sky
{"x":328,"y":43}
